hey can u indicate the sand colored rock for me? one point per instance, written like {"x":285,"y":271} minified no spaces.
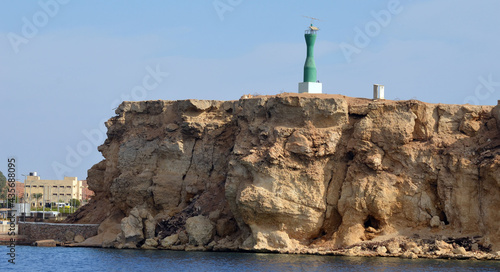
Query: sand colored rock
{"x":46,"y":243}
{"x":393,"y":247}
{"x":170,"y":240}
{"x":150,"y":244}
{"x":460,"y":250}
{"x":296,"y":172}
{"x":435,"y":222}
{"x":200,"y":230}
{"x":409,"y":255}
{"x":381,"y":250}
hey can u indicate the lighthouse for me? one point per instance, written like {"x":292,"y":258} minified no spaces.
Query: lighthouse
{"x":310,"y":84}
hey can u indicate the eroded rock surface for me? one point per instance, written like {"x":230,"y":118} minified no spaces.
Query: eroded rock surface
{"x":298,"y":173}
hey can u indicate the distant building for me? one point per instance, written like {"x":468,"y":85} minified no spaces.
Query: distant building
{"x":52,"y":190}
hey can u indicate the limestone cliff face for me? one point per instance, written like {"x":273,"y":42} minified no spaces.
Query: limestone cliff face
{"x":295,"y":172}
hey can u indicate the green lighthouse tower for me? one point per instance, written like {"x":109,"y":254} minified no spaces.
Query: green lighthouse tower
{"x":310,"y":84}
{"x":310,"y":65}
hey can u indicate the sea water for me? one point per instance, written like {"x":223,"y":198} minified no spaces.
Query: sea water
{"x":32,"y":259}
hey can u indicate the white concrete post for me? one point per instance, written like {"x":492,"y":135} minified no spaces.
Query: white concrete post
{"x":378,"y":91}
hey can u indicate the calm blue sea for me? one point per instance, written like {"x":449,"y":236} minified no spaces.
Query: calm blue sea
{"x":31,"y":259}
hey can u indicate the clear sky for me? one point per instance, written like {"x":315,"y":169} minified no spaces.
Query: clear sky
{"x":65,"y":65}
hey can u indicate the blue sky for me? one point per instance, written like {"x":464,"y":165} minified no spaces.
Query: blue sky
{"x":65,"y":65}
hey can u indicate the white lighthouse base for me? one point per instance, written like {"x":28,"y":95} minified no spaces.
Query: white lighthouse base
{"x":310,"y":87}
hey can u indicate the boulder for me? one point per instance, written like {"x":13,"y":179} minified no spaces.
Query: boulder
{"x":200,"y":230}
{"x":170,"y":240}
{"x":46,"y":243}
{"x":393,"y":247}
{"x":442,"y":245}
{"x":79,"y":238}
{"x":409,"y":255}
{"x":150,"y":244}
{"x":381,"y":250}
{"x":435,"y":222}
{"x":459,"y":251}
{"x":273,"y":240}
{"x":131,"y":231}
{"x":353,"y":251}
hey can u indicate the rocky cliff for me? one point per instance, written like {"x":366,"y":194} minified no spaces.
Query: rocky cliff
{"x":299,"y":173}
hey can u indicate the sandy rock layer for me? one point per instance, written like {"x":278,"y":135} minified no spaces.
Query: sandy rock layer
{"x":300,"y":173}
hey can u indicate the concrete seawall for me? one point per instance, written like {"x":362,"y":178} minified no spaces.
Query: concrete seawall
{"x":64,"y":233}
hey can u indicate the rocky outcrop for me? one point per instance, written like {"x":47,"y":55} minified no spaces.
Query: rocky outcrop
{"x":298,"y":173}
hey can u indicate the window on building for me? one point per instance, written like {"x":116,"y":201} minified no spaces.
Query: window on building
{"x":34,"y":186}
{"x":69,"y":187}
{"x":27,"y":186}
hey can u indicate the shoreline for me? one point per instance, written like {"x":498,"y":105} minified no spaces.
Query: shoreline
{"x":359,"y":250}
{"x":476,"y":256}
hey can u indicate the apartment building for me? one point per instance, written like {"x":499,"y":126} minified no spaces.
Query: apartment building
{"x":51,"y":190}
